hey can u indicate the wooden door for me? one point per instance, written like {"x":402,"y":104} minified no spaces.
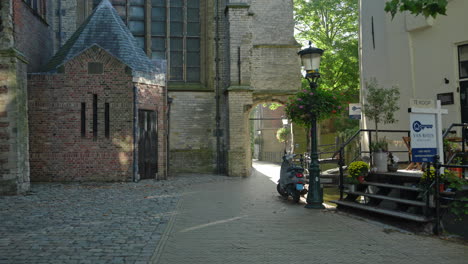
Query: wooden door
{"x":147,"y":144}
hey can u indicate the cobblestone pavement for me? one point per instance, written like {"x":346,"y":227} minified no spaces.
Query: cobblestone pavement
{"x":245,"y":221}
{"x":90,"y":222}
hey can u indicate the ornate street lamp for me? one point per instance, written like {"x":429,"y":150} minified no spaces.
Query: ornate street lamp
{"x":310,"y":58}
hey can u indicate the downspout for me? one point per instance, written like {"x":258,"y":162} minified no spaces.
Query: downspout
{"x":135,"y":134}
{"x":217,"y":78}
{"x":169,"y":103}
{"x":59,"y":23}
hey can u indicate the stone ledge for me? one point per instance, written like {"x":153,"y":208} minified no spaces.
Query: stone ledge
{"x":235,"y":5}
{"x":276,"y":46}
{"x":188,"y":87}
{"x":275,"y":92}
{"x":240,"y":88}
{"x":12,"y":52}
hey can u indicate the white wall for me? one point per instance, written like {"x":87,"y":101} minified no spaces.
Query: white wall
{"x":414,"y":54}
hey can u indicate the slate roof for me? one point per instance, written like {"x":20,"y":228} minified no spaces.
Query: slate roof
{"x":104,"y":28}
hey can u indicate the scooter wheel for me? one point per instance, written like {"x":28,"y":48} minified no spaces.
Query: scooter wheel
{"x":281,"y":191}
{"x":296,"y":196}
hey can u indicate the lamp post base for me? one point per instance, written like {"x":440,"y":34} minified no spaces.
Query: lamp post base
{"x":314,"y":206}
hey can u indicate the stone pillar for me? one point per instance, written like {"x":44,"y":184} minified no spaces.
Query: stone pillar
{"x":239,"y":92}
{"x":14,"y":145}
{"x":239,"y":154}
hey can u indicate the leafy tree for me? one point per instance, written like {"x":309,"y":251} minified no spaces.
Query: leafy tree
{"x":417,"y":7}
{"x":381,"y":104}
{"x":332,"y":25}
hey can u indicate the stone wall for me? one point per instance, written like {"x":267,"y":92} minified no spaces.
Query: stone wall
{"x":58,"y":151}
{"x":14,"y":160}
{"x":192,"y":132}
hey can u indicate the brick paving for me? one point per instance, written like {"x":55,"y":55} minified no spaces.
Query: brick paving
{"x":89,"y":222}
{"x":245,"y":221}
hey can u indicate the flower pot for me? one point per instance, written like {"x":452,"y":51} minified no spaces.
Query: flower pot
{"x":392,"y":167}
{"x":458,"y":171}
{"x":361,"y":178}
{"x":352,"y":187}
{"x":379,"y":159}
{"x":441,"y":187}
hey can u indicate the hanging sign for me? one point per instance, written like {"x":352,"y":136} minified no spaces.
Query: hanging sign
{"x":423,"y":137}
{"x":355,"y":111}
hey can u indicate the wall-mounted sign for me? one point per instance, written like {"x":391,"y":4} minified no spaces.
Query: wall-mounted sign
{"x":422,"y":103}
{"x":445,"y":98}
{"x":355,"y":111}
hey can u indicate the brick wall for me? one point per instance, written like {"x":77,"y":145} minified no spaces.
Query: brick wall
{"x":57,"y":150}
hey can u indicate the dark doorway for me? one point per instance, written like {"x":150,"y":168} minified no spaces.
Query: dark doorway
{"x":147,"y":144}
{"x":464,"y":105}
{"x":464,"y":101}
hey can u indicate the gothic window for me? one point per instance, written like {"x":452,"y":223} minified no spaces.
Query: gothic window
{"x":170,"y":30}
{"x":38,"y":6}
{"x":175,"y":33}
{"x":136,"y":21}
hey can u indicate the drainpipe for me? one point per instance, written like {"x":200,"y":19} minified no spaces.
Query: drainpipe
{"x":135,"y":134}
{"x":59,"y":23}
{"x":169,"y":103}
{"x":219,"y":170}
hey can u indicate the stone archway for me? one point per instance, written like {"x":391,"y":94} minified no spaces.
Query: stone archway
{"x":241,"y":102}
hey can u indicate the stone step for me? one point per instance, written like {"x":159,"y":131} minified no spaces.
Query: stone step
{"x":408,"y":216}
{"x":388,"y":198}
{"x":393,"y":186}
{"x":400,"y":173}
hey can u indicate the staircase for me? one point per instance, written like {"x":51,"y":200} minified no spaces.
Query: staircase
{"x":392,"y":193}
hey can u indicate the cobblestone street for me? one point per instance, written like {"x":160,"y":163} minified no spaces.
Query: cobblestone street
{"x":198,"y":219}
{"x":89,"y":222}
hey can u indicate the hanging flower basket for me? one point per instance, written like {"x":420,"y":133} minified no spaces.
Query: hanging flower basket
{"x":323,"y":103}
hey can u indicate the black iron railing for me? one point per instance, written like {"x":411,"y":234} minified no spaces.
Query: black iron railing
{"x":358,"y":154}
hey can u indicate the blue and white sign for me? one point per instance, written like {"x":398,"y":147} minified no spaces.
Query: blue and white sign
{"x":423,"y":137}
{"x":355,"y":111}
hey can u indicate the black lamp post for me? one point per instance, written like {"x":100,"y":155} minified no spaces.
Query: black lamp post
{"x":310,"y":58}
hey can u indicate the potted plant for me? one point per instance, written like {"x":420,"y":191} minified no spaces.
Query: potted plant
{"x":357,"y":171}
{"x":380,"y":106}
{"x":427,"y":180}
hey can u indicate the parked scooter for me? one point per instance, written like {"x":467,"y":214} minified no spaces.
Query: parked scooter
{"x":292,"y":181}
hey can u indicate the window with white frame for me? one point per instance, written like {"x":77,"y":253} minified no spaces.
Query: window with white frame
{"x":463,"y":61}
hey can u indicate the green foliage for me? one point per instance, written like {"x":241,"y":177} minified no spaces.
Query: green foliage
{"x":357,"y":169}
{"x":380,"y":104}
{"x":379,"y":145}
{"x":416,"y":7}
{"x":322,"y":103}
{"x":459,"y":208}
{"x":272,"y":106}
{"x":332,"y":25}
{"x":282,"y":134}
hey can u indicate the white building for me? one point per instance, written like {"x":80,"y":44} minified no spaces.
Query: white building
{"x":426,"y":58}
